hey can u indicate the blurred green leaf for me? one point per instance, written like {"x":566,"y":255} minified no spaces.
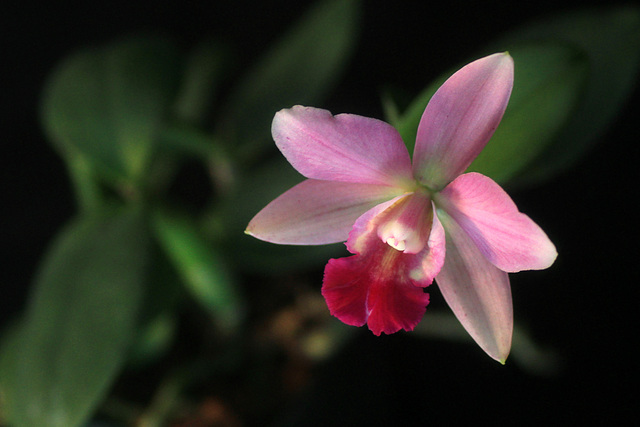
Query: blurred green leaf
{"x":610,"y":38}
{"x":158,"y":317}
{"x":89,"y":194}
{"x":407,"y":122}
{"x":153,"y":339}
{"x":189,"y":142}
{"x":201,"y":78}
{"x":108,"y":103}
{"x":549,"y":82}
{"x":203,"y":270}
{"x":299,"y":69}
{"x":390,"y":107}
{"x":58,"y":364}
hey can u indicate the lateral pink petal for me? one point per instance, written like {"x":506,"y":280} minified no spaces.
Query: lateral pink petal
{"x":317,"y":212}
{"x":461,"y":118}
{"x":478,"y":293}
{"x":510,"y":240}
{"x":346,"y":147}
{"x":374,"y":288}
{"x":429,"y":263}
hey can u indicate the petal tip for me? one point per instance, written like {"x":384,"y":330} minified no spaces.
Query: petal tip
{"x":499,"y":354}
{"x":542,"y":259}
{"x":506,"y":56}
{"x":551,"y":257}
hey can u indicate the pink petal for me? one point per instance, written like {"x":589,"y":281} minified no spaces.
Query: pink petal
{"x":430,"y":262}
{"x":345,"y":147}
{"x":509,"y":239}
{"x":478,"y":293}
{"x":460,"y":119}
{"x":374,"y":288}
{"x":317,"y":212}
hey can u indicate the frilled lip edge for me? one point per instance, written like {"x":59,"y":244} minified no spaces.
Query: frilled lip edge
{"x":375,"y":289}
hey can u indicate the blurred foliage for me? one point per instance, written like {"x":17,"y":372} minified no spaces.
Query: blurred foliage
{"x":105,"y":106}
{"x":59,"y":360}
{"x":298,"y":69}
{"x":610,"y":40}
{"x":126,"y":117}
{"x":202,"y":269}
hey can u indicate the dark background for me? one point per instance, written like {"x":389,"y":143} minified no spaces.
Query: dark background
{"x":583,"y":308}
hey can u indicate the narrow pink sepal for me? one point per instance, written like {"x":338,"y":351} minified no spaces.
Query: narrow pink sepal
{"x":317,"y":212}
{"x":461,"y":118}
{"x":510,"y":240}
{"x":478,"y":293}
{"x":346,"y":147}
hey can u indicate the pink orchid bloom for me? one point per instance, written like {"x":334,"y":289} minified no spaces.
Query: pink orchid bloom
{"x":410,"y":224}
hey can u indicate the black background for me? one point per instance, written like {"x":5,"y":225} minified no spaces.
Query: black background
{"x":584,"y":307}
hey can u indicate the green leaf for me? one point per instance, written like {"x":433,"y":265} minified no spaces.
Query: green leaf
{"x":407,"y":122}
{"x":201,"y":78}
{"x":188,"y":141}
{"x":158,"y":317}
{"x":153,"y":339}
{"x":299,"y":69}
{"x":549,"y":82}
{"x":184,"y":141}
{"x":74,"y":338}
{"x":391,"y":109}
{"x":610,"y":38}
{"x":108,"y":103}
{"x":203,"y":270}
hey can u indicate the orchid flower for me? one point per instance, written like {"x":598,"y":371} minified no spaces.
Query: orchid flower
{"x":406,"y":223}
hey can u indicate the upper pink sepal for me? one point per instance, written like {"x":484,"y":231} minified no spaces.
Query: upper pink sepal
{"x":461,"y":118}
{"x":316,"y":212}
{"x":510,"y":240}
{"x":346,"y":147}
{"x":374,"y":288}
{"x":478,"y":292}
